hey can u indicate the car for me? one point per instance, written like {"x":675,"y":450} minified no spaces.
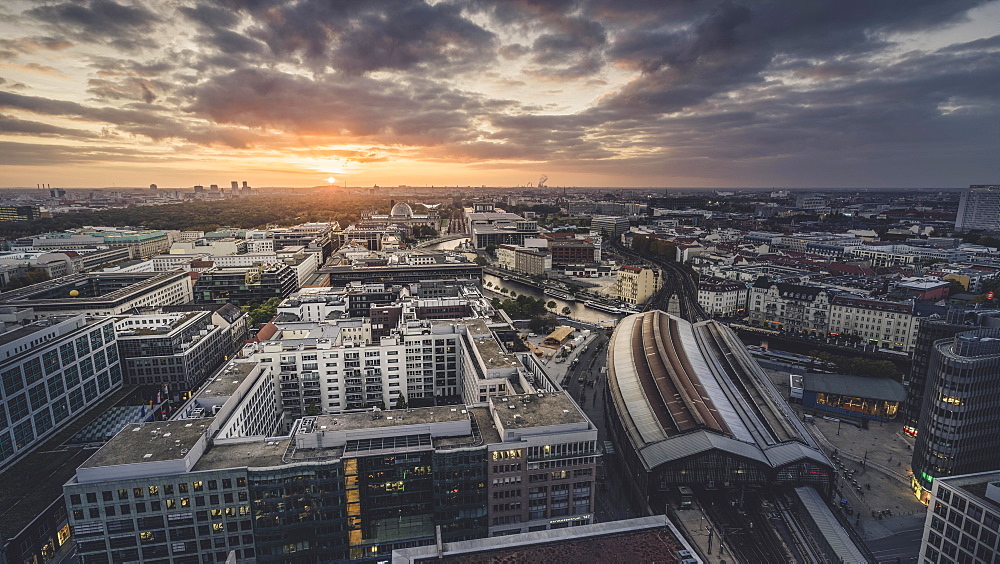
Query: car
{"x":532,"y":335}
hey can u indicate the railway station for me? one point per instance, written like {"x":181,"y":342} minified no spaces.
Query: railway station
{"x":688,"y":406}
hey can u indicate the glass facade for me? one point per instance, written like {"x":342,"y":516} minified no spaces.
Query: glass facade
{"x":49,"y":381}
{"x":961,"y":410}
{"x":299,"y":513}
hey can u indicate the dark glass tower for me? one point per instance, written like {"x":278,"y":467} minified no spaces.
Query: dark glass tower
{"x":933,"y":329}
{"x":961,"y":410}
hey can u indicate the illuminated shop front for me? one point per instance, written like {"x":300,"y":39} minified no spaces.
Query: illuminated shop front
{"x":876,"y":399}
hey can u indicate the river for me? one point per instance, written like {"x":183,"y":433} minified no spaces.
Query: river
{"x":493,"y":284}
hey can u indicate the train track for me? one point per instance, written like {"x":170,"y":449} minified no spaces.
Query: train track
{"x":747,"y":531}
{"x":676,"y":282}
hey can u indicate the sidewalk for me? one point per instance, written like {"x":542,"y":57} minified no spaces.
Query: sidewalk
{"x":880,"y":459}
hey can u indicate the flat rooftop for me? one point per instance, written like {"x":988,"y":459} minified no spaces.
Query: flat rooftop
{"x":493,"y":355}
{"x":224,"y":382}
{"x":150,"y":442}
{"x":391,"y":418}
{"x":536,"y":410}
{"x":644,"y":539}
{"x":259,"y":454}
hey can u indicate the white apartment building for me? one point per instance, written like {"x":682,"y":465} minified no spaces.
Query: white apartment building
{"x":789,"y":307}
{"x":891,"y":325}
{"x":722,"y":297}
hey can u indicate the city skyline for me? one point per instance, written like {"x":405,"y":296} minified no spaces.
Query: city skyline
{"x":591,"y":93}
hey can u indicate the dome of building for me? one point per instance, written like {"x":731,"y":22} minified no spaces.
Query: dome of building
{"x":401,"y":210}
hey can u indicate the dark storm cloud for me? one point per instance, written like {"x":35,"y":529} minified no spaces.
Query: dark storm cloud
{"x":13,"y":125}
{"x":419,"y":112}
{"x":37,"y":154}
{"x":154,"y":125}
{"x":362,"y":37}
{"x":126,"y":26}
{"x":732,"y":44}
{"x":766,"y":89}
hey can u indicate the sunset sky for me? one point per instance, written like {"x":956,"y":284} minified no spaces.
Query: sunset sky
{"x":810,"y":93}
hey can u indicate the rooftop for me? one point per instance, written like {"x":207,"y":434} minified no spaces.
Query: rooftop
{"x":856,"y":386}
{"x":536,"y":410}
{"x":261,"y":453}
{"x":493,"y":356}
{"x":224,"y":382}
{"x":149,"y":442}
{"x":391,"y":418}
{"x":644,"y":539}
{"x":975,"y":485}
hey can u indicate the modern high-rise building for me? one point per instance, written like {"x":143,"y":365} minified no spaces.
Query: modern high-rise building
{"x":610,"y":225}
{"x":49,"y":371}
{"x":979,"y":209}
{"x":963,"y":521}
{"x":931,"y":330}
{"x":961,"y":410}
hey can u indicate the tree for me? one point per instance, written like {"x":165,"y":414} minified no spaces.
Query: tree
{"x":542,"y":324}
{"x":265,"y":312}
{"x":955,"y":287}
{"x":551,"y":304}
{"x":313,"y":410}
{"x":566,"y":310}
{"x":400,"y":402}
{"x":32,"y":276}
{"x":481,"y":261}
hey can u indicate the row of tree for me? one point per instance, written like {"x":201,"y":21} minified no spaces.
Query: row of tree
{"x":202,"y":215}
{"x":649,"y":246}
{"x":859,"y":366}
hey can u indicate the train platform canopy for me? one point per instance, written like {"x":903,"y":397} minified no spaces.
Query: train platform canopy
{"x":883,"y":389}
{"x":682,"y":390}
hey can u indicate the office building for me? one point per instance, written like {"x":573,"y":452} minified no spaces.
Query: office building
{"x":359,"y":264}
{"x":608,"y":225}
{"x":49,"y":371}
{"x":244,"y":285}
{"x":101,"y":294}
{"x":963,"y":520}
{"x":961,"y":410}
{"x":20,"y":213}
{"x":488,"y":227}
{"x":687,"y":405}
{"x":335,"y":487}
{"x":176,"y":350}
{"x":313,"y":237}
{"x":565,"y":250}
{"x":979,"y":208}
{"x":932,"y":329}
